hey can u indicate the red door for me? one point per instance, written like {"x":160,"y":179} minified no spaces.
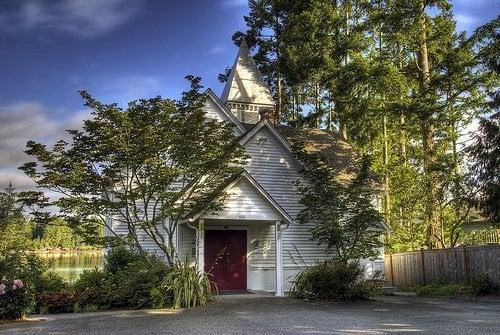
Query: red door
{"x":226,"y":258}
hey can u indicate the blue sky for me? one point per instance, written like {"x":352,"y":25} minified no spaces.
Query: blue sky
{"x":118,"y":50}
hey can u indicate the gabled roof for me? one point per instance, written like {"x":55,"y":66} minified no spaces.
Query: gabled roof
{"x":274,"y":204}
{"x":223,"y":109}
{"x":335,"y":150}
{"x":245,"y":84}
{"x":264,"y":123}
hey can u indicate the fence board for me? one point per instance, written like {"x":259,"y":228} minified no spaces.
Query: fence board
{"x":454,"y":264}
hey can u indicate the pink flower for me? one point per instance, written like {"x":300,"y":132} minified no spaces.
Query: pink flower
{"x":14,"y":287}
{"x":2,"y":287}
{"x":18,"y":283}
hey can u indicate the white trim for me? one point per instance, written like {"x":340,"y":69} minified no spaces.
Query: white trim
{"x":279,"y":258}
{"x":277,"y":135}
{"x":201,"y":245}
{"x":282,"y":212}
{"x":265,"y":123}
{"x":209,"y":93}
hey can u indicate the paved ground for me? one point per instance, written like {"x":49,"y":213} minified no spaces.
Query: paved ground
{"x":266,"y":315}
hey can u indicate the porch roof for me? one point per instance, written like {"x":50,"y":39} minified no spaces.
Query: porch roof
{"x":262,"y":193}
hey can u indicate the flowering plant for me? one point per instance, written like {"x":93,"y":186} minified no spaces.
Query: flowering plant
{"x":15,"y":301}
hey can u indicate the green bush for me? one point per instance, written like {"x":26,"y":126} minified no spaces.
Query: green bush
{"x":91,"y":291}
{"x":120,"y":257}
{"x":132,"y":285}
{"x":443,"y":289}
{"x":34,"y":272}
{"x":89,"y":279}
{"x":188,"y":286}
{"x":92,"y":299}
{"x":129,"y":279}
{"x":15,"y":300}
{"x":333,"y":280}
{"x":483,"y":285}
{"x":62,"y":301}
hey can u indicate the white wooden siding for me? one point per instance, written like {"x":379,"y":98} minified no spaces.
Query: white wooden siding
{"x":244,"y":202}
{"x":276,"y":171}
{"x":212,"y":111}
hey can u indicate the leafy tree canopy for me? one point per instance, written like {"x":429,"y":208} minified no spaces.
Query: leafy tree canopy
{"x":148,"y":166}
{"x":344,"y":217}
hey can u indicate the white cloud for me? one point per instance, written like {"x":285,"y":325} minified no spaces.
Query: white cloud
{"x":127,"y":88}
{"x":80,"y":18}
{"x":216,"y":50}
{"x":25,"y":121}
{"x":235,"y":3}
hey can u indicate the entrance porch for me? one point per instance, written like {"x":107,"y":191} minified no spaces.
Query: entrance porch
{"x":240,"y":246}
{"x":241,"y":255}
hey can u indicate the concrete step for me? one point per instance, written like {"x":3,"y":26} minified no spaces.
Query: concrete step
{"x":390,"y":290}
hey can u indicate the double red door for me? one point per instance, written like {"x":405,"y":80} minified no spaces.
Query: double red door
{"x":226,"y":258}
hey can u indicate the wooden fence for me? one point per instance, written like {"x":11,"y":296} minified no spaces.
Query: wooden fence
{"x":459,"y":265}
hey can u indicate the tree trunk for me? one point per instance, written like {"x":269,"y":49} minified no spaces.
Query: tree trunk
{"x":402,"y":138}
{"x":427,"y":130}
{"x":387,"y":192}
{"x":318,"y":105}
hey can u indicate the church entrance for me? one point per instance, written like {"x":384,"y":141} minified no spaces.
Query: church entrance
{"x":226,"y":258}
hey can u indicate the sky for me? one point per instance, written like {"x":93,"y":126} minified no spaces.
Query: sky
{"x":118,"y":50}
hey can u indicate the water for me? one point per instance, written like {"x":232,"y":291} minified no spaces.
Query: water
{"x":69,"y":264}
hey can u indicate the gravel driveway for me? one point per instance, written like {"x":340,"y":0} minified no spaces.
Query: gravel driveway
{"x":268,"y":315}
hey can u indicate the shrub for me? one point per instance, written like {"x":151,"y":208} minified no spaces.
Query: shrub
{"x":30,"y":268}
{"x":443,"y":289}
{"x":50,"y":282}
{"x":120,"y":257}
{"x":188,"y":286}
{"x":127,"y":280}
{"x":15,"y":300}
{"x":333,"y":280}
{"x":90,"y":279}
{"x":92,"y":299}
{"x":62,"y":301}
{"x":483,"y":285}
{"x":131,"y":286}
{"x":91,"y":291}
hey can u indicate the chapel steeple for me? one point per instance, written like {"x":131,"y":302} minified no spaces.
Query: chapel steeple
{"x":246,"y":94}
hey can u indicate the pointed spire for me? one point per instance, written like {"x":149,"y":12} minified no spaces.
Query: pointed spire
{"x":245,"y":84}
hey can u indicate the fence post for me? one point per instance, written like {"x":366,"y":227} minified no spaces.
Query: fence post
{"x":466,"y":265}
{"x":422,"y":262}
{"x":392,"y":269}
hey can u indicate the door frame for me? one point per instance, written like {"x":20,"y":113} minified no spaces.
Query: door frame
{"x":223,"y":227}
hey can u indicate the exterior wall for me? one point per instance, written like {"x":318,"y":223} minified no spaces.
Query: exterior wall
{"x":147,"y":243}
{"x":276,"y":171}
{"x":245,"y":203}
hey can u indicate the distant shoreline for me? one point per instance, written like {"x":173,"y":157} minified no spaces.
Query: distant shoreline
{"x":67,"y":251}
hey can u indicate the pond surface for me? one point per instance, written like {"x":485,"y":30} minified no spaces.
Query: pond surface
{"x":69,"y":264}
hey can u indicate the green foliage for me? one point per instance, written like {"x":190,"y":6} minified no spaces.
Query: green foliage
{"x":120,"y":257}
{"x":15,"y":230}
{"x":176,"y":158}
{"x":89,"y":279}
{"x":333,"y":280}
{"x":136,"y":285}
{"x":61,"y":301}
{"x":345,"y":220}
{"x":444,"y":289}
{"x":485,"y":153}
{"x":188,"y":286}
{"x":15,"y":300}
{"x":479,"y":286}
{"x":483,"y":285}
{"x":130,"y":279}
{"x":358,"y":66}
